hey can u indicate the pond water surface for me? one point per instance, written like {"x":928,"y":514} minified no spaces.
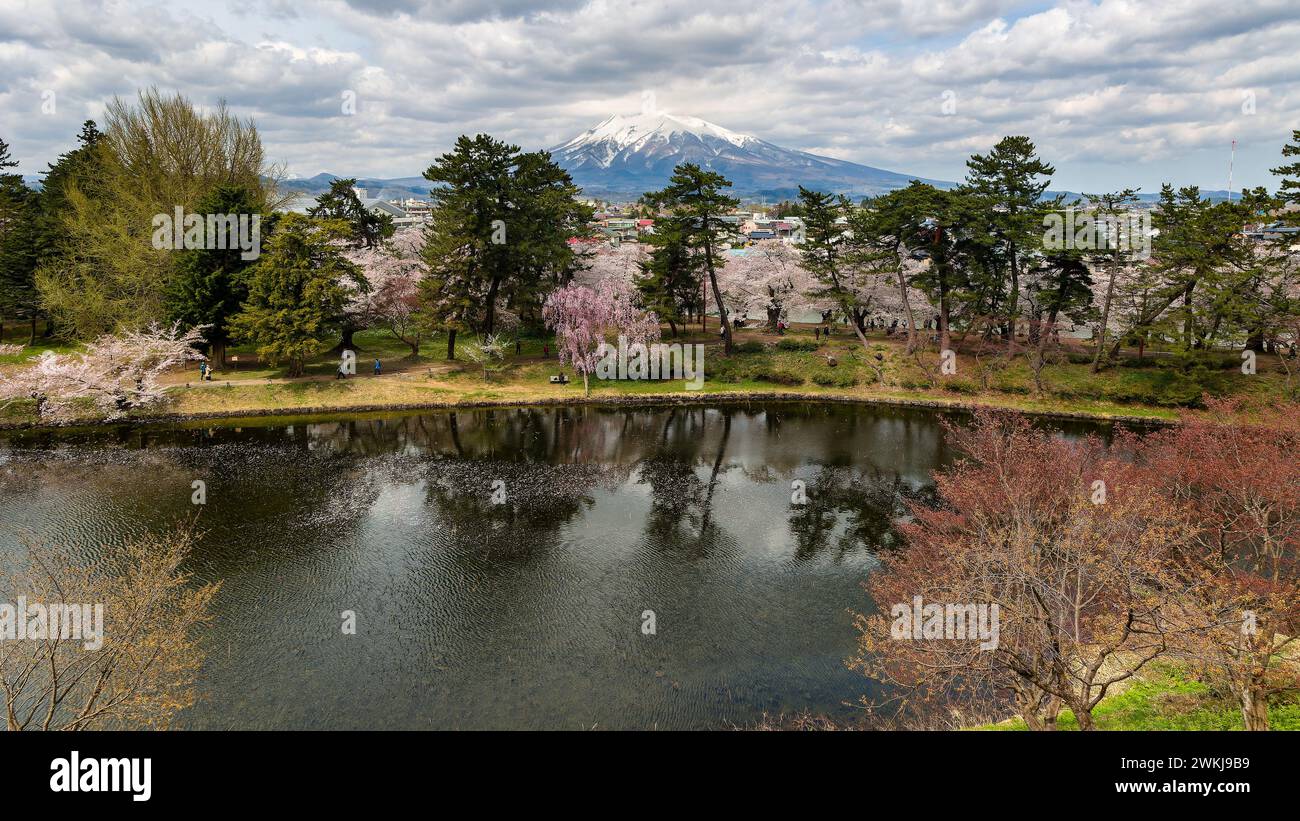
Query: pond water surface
{"x":526,"y":613}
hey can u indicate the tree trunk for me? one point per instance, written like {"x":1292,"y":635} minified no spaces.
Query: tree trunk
{"x":1255,"y":342}
{"x":345,"y":340}
{"x":1105,"y":319}
{"x":219,"y":352}
{"x":586,"y":383}
{"x":1040,"y":719}
{"x":717,"y":297}
{"x":451,"y":344}
{"x":490,"y":317}
{"x":1254,"y":708}
{"x":907,"y":306}
{"x":945,"y":315}
{"x":1085,"y":719}
{"x":1013,"y":303}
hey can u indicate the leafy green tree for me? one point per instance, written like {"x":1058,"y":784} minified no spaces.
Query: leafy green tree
{"x":839,"y":252}
{"x":157,"y":154}
{"x":1009,"y":181}
{"x":1209,"y":268}
{"x":1059,"y":284}
{"x":544,"y":214}
{"x":499,"y":233}
{"x":367,"y":228}
{"x":671,"y":277}
{"x":296,"y":290}
{"x":885,"y":232}
{"x":696,"y":196}
{"x":939,"y":222}
{"x":211,"y":284}
{"x":18,"y":215}
{"x":1289,"y":188}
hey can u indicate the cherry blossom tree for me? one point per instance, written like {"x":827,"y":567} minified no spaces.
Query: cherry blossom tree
{"x":584,"y":317}
{"x":489,"y":353}
{"x":1240,"y":485}
{"x":391,"y":270}
{"x":115,"y":374}
{"x":396,"y":305}
{"x":609,"y":261}
{"x":767,"y":276}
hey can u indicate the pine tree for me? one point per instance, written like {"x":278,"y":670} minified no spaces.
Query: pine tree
{"x":1289,"y":188}
{"x":296,"y":290}
{"x":211,"y":284}
{"x":499,"y":233}
{"x":18,"y":213}
{"x":670,"y":278}
{"x":366,"y":228}
{"x":1007,"y":181}
{"x":696,"y":196}
{"x":1112,"y":209}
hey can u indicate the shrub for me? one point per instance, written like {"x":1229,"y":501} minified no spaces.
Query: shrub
{"x":829,"y":379}
{"x":750,"y":346}
{"x":1008,"y":386}
{"x":775,"y":376}
{"x":790,"y":344}
{"x":964,"y":386}
{"x":722,"y":369}
{"x":1137,"y":362}
{"x":1181,"y":391}
{"x":1130,"y":393}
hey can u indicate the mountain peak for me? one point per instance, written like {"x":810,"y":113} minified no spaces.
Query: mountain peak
{"x":629,"y":154}
{"x":634,"y":131}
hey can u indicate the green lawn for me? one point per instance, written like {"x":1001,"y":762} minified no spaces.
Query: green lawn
{"x":18,"y":335}
{"x":796,"y":363}
{"x":1165,"y":697}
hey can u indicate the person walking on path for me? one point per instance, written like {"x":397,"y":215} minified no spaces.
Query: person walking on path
{"x":379,"y":367}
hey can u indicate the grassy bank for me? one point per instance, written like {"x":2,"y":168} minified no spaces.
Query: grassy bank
{"x":764,"y":366}
{"x":1167,"y":697}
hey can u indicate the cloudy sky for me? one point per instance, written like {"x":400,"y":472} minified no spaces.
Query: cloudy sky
{"x":1115,"y":93}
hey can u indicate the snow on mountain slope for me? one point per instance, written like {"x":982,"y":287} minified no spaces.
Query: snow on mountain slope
{"x":618,"y":133}
{"x":628,"y":155}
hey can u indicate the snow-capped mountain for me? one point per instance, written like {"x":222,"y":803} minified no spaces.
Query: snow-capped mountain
{"x":627,"y":156}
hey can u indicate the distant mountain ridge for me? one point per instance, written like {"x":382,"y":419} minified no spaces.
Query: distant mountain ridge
{"x":399,"y":188}
{"x":629,"y":155}
{"x":625,"y":156}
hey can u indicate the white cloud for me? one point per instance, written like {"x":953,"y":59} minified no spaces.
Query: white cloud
{"x":1115,"y":92}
